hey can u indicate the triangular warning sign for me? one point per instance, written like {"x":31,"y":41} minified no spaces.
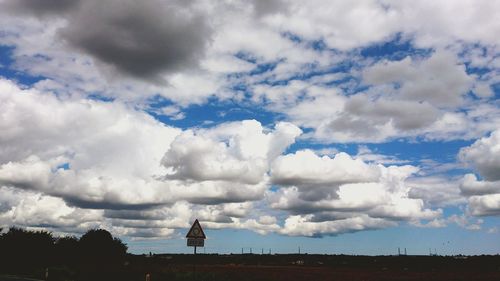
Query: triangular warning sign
{"x":196,"y":231}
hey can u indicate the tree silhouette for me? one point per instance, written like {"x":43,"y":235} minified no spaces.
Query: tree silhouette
{"x":97,"y":255}
{"x":66,"y":250}
{"x":23,"y":248}
{"x":98,"y":246}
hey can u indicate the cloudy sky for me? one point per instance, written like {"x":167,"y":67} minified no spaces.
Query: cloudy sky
{"x":337,"y":126}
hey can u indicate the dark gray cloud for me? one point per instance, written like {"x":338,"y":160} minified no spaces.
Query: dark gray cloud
{"x":39,"y":8}
{"x":355,"y":126}
{"x":106,"y":204}
{"x":141,"y":39}
{"x":331,"y":216}
{"x":265,"y":7}
{"x":369,"y":119}
{"x":229,"y":197}
{"x":404,"y":115}
{"x":316,"y":193}
{"x":133,"y":214}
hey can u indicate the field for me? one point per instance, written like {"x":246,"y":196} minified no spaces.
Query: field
{"x":316,"y":267}
{"x":287,"y":267}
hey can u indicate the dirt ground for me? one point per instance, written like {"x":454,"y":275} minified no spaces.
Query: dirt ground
{"x":292,"y":267}
{"x":311,"y":268}
{"x":292,"y":273}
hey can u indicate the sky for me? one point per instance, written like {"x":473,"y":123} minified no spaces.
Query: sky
{"x":337,"y":126}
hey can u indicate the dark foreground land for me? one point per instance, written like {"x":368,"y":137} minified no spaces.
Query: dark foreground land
{"x":284,"y":267}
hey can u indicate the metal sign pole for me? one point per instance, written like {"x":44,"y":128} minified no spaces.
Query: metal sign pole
{"x":195,"y":238}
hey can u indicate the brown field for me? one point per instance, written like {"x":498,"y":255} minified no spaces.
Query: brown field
{"x":278,"y":267}
{"x":316,"y":267}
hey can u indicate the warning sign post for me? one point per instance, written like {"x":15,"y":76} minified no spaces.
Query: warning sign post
{"x":195,"y":236}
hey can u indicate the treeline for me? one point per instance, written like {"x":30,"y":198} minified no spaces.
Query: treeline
{"x":31,"y":252}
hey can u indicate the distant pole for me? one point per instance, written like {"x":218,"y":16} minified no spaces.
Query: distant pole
{"x":405,"y":251}
{"x":242,"y":251}
{"x":250,"y":250}
{"x":262,"y":251}
{"x":399,"y":251}
{"x":269,"y":250}
{"x":195,"y":250}
{"x":299,"y":250}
